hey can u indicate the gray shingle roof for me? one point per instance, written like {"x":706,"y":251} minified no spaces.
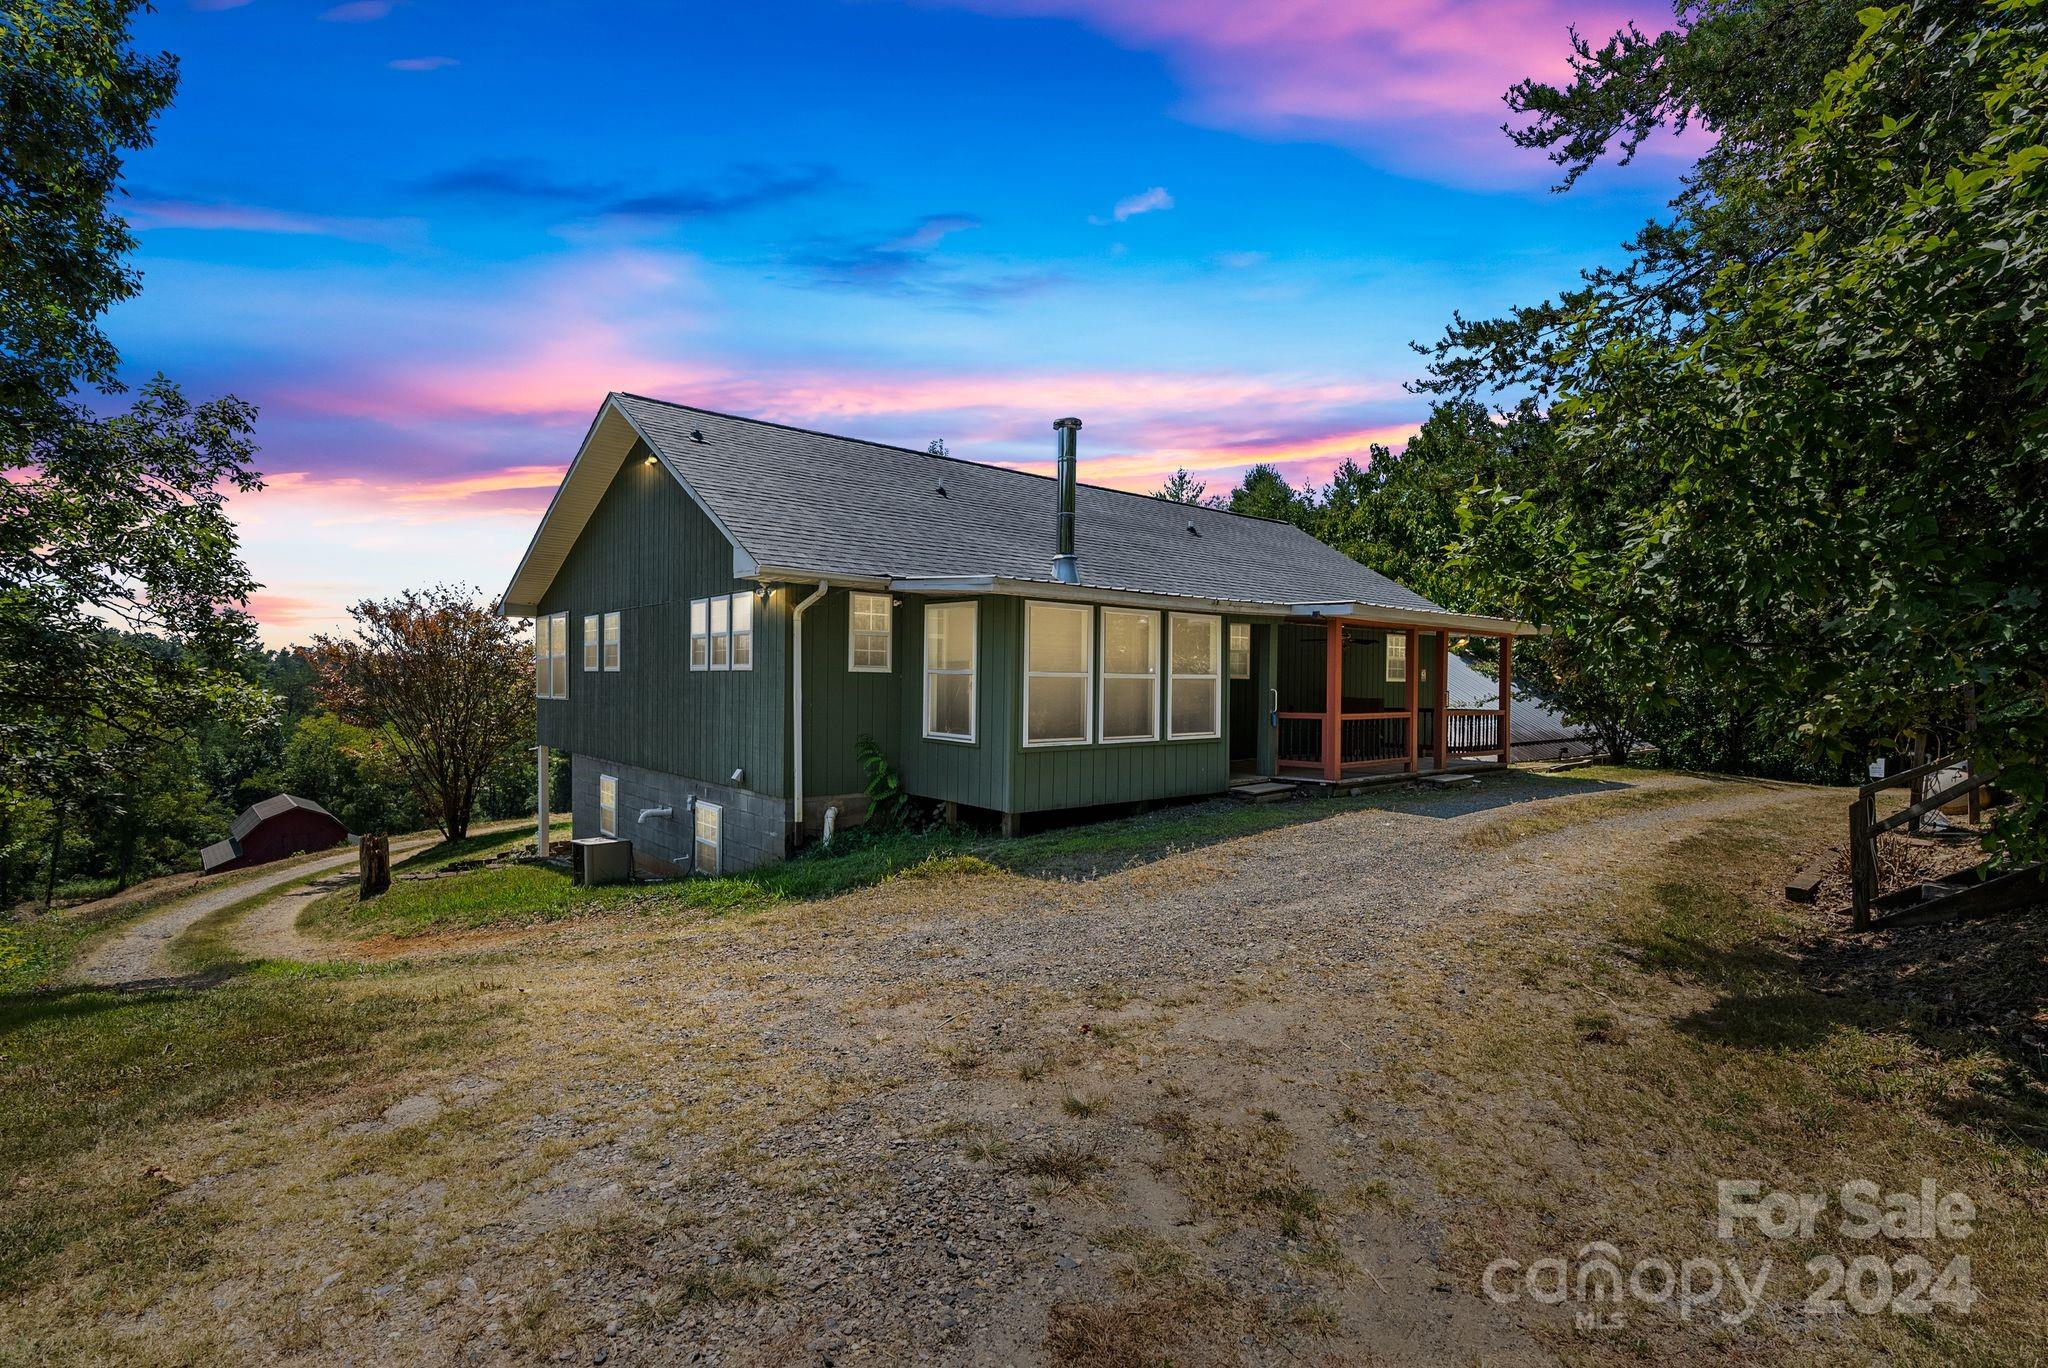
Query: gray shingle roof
{"x":827,"y":505}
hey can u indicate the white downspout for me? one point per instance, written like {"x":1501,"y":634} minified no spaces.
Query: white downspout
{"x":542,"y":775}
{"x":796,"y":708}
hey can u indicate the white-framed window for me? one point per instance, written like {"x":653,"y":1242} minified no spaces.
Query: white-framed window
{"x":1240,"y":650}
{"x":706,"y":829}
{"x":1194,"y":651}
{"x":700,"y":634}
{"x":611,"y":643}
{"x":551,"y":656}
{"x":869,"y":634}
{"x":721,"y":632}
{"x":949,"y":671}
{"x":1130,"y":675}
{"x":1058,"y":666}
{"x":743,"y":631}
{"x":592,"y":638}
{"x":1397,"y":657}
{"x":607,"y":805}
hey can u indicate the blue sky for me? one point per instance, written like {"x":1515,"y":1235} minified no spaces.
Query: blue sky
{"x":427,"y":238}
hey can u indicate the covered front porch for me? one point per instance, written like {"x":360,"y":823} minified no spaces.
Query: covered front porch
{"x":1356,"y":697}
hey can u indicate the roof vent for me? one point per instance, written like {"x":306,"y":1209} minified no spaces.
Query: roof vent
{"x":1066,"y":568}
{"x":942,"y":489}
{"x":1192,"y":529}
{"x":696,"y":434}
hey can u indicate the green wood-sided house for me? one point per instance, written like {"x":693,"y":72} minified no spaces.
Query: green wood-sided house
{"x":722,"y":606}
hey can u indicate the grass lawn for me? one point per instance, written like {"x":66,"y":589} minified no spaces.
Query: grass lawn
{"x":1593,"y":1080}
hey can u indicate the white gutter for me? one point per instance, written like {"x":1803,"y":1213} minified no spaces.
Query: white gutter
{"x":1369,"y":612}
{"x":796,"y":704}
{"x":1081,"y":593}
{"x":1420,"y":617}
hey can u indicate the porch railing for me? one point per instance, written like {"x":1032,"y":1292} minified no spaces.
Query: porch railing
{"x":1366,"y":739}
{"x":1472,"y":730}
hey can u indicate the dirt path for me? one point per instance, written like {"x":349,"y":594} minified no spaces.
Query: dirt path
{"x":140,"y":953}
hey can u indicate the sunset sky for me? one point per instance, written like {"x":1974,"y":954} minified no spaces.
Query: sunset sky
{"x":426,"y":238}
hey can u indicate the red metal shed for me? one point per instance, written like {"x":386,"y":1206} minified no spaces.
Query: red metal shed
{"x":273,"y":829}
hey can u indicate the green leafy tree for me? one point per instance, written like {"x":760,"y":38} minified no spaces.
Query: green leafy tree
{"x":1811,"y":401}
{"x":446,"y":681}
{"x":113,"y":528}
{"x":1185,"y":488}
{"x":353,"y":772}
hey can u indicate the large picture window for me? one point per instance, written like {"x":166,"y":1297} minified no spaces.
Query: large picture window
{"x":700,"y":634}
{"x":949,"y":666}
{"x":1195,"y":690}
{"x":869,"y":634}
{"x":1130,"y":675}
{"x":551,"y":656}
{"x":1057,"y":670}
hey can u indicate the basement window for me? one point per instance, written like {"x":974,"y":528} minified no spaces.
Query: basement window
{"x":1240,"y":650}
{"x":592,"y":638}
{"x":551,"y":656}
{"x":1397,"y":657}
{"x":611,"y":644}
{"x":949,"y":671}
{"x":1194,"y":708}
{"x":700,"y":634}
{"x":743,"y":631}
{"x":707,"y":845}
{"x":868,"y":635}
{"x":1130,"y":675}
{"x":607,"y":805}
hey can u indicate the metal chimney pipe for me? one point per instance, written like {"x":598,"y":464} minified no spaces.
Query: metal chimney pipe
{"x":1066,"y":567}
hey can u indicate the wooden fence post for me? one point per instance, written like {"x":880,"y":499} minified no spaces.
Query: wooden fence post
{"x":1862,"y":858}
{"x":373,"y":866}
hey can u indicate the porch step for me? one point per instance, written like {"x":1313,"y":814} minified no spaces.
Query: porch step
{"x":1264,"y":791}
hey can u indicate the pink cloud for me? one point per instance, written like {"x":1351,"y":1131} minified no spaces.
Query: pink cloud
{"x":359,"y":11}
{"x":152,"y":212}
{"x":1398,"y":79}
{"x":1130,"y":206}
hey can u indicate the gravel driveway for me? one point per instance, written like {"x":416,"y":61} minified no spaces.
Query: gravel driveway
{"x":980,"y":1118}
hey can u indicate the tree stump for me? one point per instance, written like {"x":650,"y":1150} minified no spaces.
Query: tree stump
{"x":373,"y":866}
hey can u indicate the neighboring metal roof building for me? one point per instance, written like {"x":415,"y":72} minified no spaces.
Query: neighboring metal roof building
{"x":312,"y":827}
{"x":1533,"y":724}
{"x":797,"y":504}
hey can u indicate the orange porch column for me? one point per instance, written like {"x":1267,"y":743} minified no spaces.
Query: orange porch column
{"x":1443,"y":698}
{"x":1507,"y":676}
{"x":1414,"y":702}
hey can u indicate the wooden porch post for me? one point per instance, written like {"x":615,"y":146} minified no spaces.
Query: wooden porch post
{"x":1414,"y":703}
{"x":1507,"y":677}
{"x":1443,"y":698}
{"x":1333,"y":700}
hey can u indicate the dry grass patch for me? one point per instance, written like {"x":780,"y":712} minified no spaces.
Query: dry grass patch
{"x":1568,"y":810}
{"x":1594,"y":1075}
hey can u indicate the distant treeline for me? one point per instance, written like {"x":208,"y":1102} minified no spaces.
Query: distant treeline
{"x":156,"y":818}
